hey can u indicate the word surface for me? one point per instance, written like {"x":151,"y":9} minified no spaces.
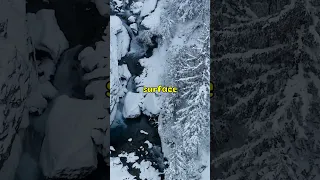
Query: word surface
{"x":159,"y":89}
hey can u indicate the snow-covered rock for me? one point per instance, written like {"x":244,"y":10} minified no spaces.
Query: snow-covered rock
{"x":148,"y":7}
{"x":134,"y":27}
{"x":151,"y":105}
{"x":132,"y":19}
{"x":96,"y":89}
{"x":46,"y":34}
{"x":119,"y":43}
{"x":47,"y":90}
{"x":131,"y":107}
{"x":147,"y":171}
{"x":69,"y":136}
{"x":152,"y":21}
{"x":136,"y":7}
{"x":120,"y":39}
{"x":85,"y":52}
{"x":47,"y":68}
{"x":36,"y":103}
{"x":124,"y":72}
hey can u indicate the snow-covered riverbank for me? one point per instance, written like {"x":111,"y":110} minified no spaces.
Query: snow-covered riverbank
{"x":136,"y":147}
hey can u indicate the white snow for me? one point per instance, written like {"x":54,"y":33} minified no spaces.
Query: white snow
{"x":151,"y":105}
{"x":131,"y":108}
{"x":68,"y":137}
{"x":47,"y":90}
{"x":46,"y":33}
{"x":120,"y":39}
{"x":47,"y":67}
{"x":36,"y":103}
{"x":124,"y":72}
{"x":153,"y":69}
{"x":148,"y":7}
{"x":119,"y":44}
{"x":96,"y":89}
{"x":136,"y":7}
{"x":119,"y":172}
{"x":131,"y":157}
{"x":153,"y":20}
{"x":132,"y":19}
{"x":85,"y":52}
{"x":134,"y":27}
{"x":147,"y":171}
{"x":205,"y":175}
{"x":112,"y":148}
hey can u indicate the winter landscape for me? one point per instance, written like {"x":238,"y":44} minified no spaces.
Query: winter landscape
{"x":56,"y":121}
{"x":265,"y":66}
{"x":53,"y":110}
{"x":158,"y":136}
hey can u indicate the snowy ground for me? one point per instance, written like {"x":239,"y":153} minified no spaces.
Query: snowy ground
{"x":120,"y":171}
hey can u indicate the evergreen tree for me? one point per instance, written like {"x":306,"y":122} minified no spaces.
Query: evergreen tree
{"x":266,"y":68}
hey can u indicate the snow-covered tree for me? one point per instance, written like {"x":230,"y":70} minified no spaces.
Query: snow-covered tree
{"x":266,"y":72}
{"x":179,"y":11}
{"x":15,"y":80}
{"x":189,"y":115}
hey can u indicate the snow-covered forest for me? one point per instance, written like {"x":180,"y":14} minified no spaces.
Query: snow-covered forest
{"x":54,"y":66}
{"x":160,"y":135}
{"x":265,"y":63}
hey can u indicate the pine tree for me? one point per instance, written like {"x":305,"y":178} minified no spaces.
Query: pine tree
{"x":186,"y":120}
{"x":15,"y":82}
{"x":267,"y":77}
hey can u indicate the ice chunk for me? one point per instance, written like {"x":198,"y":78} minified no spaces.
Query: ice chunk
{"x":143,"y":132}
{"x":112,"y":148}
